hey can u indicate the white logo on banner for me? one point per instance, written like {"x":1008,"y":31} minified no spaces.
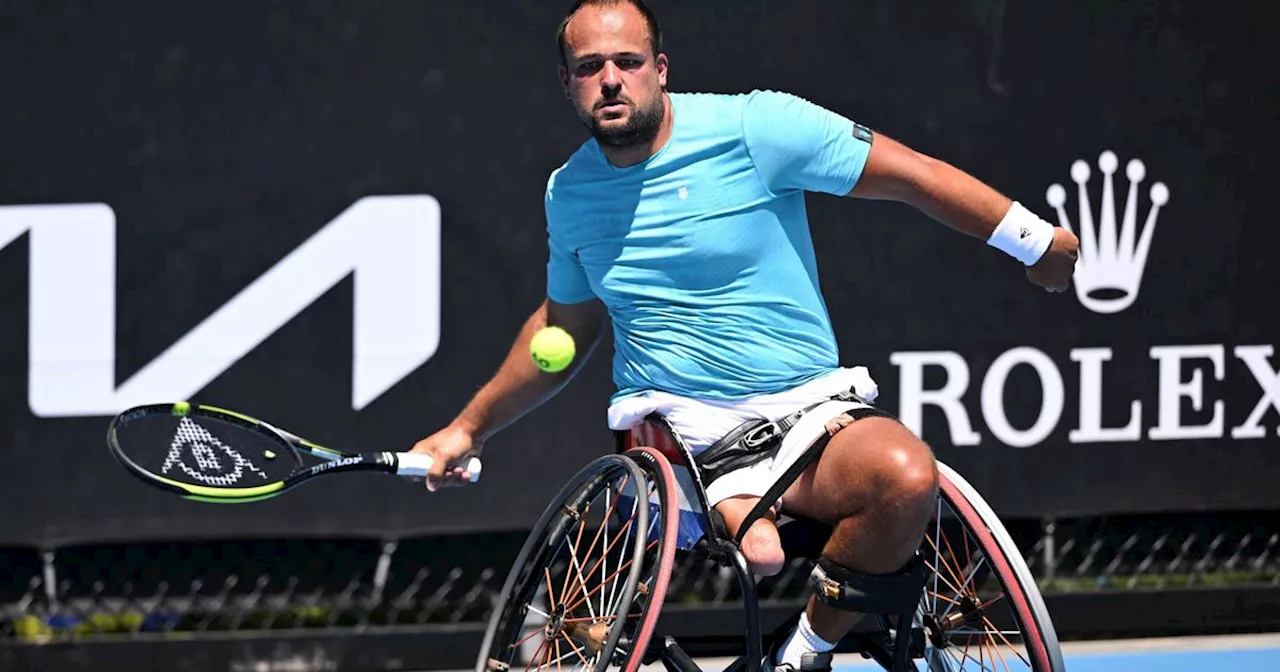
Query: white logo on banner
{"x":390,"y":244}
{"x":1112,"y":255}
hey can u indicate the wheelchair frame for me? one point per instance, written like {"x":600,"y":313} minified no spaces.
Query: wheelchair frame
{"x":724,"y":551}
{"x":805,"y":539}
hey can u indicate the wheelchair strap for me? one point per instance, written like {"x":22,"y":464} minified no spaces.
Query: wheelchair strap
{"x":780,"y":486}
{"x":757,"y":440}
{"x":747,"y":444}
{"x":793,"y":472}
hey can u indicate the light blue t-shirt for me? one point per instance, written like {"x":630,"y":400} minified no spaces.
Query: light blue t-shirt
{"x":702,"y":253}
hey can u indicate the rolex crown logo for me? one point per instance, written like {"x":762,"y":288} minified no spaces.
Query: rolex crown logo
{"x":1111,"y":262}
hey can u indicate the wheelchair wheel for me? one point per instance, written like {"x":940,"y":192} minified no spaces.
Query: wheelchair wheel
{"x":981,"y":608}
{"x":587,"y":587}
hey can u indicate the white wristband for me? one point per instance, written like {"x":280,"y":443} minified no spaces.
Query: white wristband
{"x":1022,"y":235}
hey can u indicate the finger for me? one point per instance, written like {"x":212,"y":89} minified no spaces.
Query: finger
{"x":455,"y":477}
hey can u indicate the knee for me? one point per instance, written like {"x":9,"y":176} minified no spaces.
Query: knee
{"x":910,"y":477}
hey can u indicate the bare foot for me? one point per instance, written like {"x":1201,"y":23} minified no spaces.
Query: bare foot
{"x":761,"y":545}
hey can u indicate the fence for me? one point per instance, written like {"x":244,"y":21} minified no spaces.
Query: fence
{"x":422,"y":603}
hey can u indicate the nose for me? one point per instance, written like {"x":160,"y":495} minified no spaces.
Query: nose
{"x":610,"y":78}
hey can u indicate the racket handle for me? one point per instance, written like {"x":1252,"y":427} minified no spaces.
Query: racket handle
{"x":419,"y":464}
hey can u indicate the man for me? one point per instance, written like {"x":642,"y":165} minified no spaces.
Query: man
{"x":682,"y":220}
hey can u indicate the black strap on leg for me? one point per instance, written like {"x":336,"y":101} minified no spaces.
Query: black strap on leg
{"x":887,"y":594}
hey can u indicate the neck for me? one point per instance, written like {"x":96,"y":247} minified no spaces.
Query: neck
{"x":623,"y":157}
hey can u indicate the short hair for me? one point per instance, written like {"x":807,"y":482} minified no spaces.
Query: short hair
{"x":651,"y":21}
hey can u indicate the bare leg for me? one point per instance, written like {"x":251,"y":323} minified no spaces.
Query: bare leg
{"x":876,"y":484}
{"x":761,"y":545}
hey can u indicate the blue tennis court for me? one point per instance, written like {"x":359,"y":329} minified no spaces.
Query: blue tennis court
{"x":1245,"y":652}
{"x":1177,"y":661}
{"x":1190,"y":654}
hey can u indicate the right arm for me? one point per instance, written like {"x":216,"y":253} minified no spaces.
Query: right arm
{"x":519,"y":385}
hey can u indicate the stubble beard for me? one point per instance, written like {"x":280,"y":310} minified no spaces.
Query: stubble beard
{"x":641,"y":128}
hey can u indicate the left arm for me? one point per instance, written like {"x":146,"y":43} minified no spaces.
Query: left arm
{"x":797,"y":145}
{"x":949,"y":195}
{"x":960,"y":201}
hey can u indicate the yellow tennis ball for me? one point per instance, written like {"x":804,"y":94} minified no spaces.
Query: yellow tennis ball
{"x":552,"y":349}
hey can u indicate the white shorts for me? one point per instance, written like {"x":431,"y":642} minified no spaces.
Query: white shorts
{"x":701,"y":422}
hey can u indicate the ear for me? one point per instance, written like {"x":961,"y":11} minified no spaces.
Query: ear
{"x":660,"y":63}
{"x":563,"y":73}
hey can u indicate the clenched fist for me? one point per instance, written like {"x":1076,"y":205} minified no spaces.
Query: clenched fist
{"x":449,"y":446}
{"x":1054,"y":269}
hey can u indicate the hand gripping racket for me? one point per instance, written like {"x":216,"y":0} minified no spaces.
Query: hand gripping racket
{"x":210,"y":454}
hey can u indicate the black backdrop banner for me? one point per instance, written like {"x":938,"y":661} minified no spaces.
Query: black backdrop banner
{"x":226,"y":201}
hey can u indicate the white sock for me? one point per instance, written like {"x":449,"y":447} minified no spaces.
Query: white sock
{"x":802,"y":640}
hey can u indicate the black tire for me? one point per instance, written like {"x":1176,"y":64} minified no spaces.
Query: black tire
{"x":972,"y":586}
{"x":508,"y":627}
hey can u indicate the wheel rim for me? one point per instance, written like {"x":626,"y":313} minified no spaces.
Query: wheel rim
{"x":589,"y":567}
{"x":974,"y":611}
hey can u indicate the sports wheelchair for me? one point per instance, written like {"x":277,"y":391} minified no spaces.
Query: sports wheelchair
{"x":589,"y":584}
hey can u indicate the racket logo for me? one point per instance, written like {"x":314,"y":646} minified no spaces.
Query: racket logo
{"x":215,"y":463}
{"x":335,"y":464}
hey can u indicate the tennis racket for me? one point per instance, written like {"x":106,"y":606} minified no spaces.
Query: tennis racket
{"x":210,"y":454}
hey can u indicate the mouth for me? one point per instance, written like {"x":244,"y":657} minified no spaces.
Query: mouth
{"x":612,"y":107}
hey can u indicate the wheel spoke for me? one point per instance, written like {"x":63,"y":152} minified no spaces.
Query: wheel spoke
{"x":995,"y":630}
{"x":582,"y":526}
{"x":612,"y":591}
{"x":534,"y":658}
{"x":963,"y":587}
{"x":938,"y":574}
{"x":593,"y":590}
{"x":955,"y":565}
{"x":577,"y":651}
{"x":605,"y":554}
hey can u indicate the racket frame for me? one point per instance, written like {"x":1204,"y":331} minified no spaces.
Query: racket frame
{"x":404,"y":464}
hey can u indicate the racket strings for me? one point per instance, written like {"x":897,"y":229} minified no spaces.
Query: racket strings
{"x":209,"y":455}
{"x":204,"y":451}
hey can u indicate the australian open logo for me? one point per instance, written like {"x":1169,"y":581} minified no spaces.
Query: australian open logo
{"x":1113,"y":255}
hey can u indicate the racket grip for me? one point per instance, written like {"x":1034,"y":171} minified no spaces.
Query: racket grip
{"x":419,"y":464}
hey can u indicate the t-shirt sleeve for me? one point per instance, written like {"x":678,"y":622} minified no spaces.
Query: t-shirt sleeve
{"x":566,"y":279}
{"x":796,"y":144}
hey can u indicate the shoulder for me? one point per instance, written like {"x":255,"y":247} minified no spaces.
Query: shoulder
{"x":575,"y":169}
{"x":718,"y":103}
{"x":708,"y":102}
{"x":754,"y":111}
{"x":570,"y":185}
{"x":703,"y":113}
{"x":768,"y":105}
